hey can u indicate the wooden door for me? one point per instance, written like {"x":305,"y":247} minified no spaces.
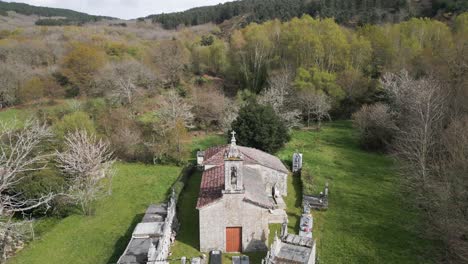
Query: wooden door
{"x":233,"y":239}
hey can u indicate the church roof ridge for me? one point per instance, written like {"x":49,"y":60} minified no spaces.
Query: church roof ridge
{"x":215,"y":156}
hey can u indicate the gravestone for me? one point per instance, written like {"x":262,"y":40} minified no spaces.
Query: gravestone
{"x":297,"y":162}
{"x":236,"y":260}
{"x":245,"y":260}
{"x":215,"y":257}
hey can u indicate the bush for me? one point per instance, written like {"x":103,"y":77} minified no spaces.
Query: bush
{"x":31,"y":90}
{"x":376,"y":126}
{"x":74,"y":121}
{"x":259,"y":127}
{"x":38,"y":183}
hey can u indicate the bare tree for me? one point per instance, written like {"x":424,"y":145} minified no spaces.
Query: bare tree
{"x":376,"y":125}
{"x":421,"y":108}
{"x":208,"y":106}
{"x":230,"y":113}
{"x":174,"y":118}
{"x":279,"y":89}
{"x":315,"y":106}
{"x":124,"y":81}
{"x":175,"y":109}
{"x":86,"y":161}
{"x":449,"y":191}
{"x":279,"y":96}
{"x":171,"y":57}
{"x":19,"y":154}
{"x":432,"y":149}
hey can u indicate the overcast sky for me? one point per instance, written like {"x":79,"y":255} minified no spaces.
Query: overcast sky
{"x":122,"y":8}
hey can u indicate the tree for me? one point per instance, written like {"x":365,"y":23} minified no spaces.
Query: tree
{"x":259,"y":127}
{"x":318,"y":81}
{"x":253,"y":50}
{"x":302,"y":43}
{"x":230,"y":113}
{"x":376,"y":126}
{"x":174,"y":118}
{"x":175,"y":109}
{"x":208,"y":107}
{"x":124,"y":81}
{"x":170,"y":57}
{"x":315,"y":106}
{"x":13,"y":76}
{"x":280,"y":96}
{"x":449,"y":190}
{"x":421,"y":109}
{"x":72,"y":122}
{"x":20,"y":152}
{"x":85,"y":161}
{"x":81,"y":64}
{"x":31,"y":90}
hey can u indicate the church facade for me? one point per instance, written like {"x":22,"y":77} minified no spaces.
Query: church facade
{"x":241,"y":193}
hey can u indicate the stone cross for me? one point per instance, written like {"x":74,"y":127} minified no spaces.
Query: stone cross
{"x":233,"y":139}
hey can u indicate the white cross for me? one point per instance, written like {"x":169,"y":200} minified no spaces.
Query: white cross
{"x":233,"y":139}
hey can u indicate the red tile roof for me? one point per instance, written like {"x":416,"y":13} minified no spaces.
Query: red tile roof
{"x":209,"y":153}
{"x":212,"y":183}
{"x":211,"y":186}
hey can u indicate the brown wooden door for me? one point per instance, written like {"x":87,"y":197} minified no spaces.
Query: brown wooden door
{"x":233,"y":239}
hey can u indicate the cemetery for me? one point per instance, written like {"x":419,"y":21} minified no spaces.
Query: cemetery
{"x":241,"y":194}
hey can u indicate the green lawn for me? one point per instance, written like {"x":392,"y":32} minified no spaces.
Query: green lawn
{"x":187,"y":243}
{"x":368,"y":221}
{"x":102,"y":238}
{"x":8,"y":115}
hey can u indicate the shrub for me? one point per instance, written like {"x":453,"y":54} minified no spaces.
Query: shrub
{"x":38,"y":183}
{"x":259,"y":127}
{"x":31,"y":90}
{"x":376,"y":126}
{"x":73,"y":122}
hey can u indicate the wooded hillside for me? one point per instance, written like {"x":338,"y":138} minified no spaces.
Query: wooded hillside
{"x":351,"y":12}
{"x":71,"y":17}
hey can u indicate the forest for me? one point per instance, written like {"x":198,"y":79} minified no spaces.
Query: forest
{"x":351,"y":13}
{"x":68,"y":15}
{"x":138,"y":93}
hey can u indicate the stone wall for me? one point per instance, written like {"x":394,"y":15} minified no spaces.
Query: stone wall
{"x":232,"y":211}
{"x":159,"y":254}
{"x":272,"y":177}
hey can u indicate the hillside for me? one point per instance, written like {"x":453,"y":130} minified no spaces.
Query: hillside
{"x":65,"y":16}
{"x":344,"y":11}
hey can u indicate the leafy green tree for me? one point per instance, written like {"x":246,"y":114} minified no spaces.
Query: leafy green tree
{"x":81,"y":64}
{"x":318,"y":81}
{"x":301,"y":43}
{"x":74,"y":122}
{"x":259,"y":127}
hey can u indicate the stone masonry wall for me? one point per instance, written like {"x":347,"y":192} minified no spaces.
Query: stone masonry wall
{"x":270,"y":177}
{"x":232,"y":211}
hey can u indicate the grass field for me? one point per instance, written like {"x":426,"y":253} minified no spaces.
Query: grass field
{"x":368,"y":221}
{"x":102,"y":238}
{"x":9,"y":115}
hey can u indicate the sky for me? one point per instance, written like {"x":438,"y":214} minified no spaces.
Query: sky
{"x":126,"y":9}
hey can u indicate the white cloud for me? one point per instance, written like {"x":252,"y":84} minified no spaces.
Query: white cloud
{"x":122,"y":8}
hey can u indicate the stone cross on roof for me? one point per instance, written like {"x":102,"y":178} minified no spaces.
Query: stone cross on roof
{"x":233,"y":152}
{"x":233,"y":139}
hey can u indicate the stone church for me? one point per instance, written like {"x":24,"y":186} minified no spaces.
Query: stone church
{"x":241,"y":193}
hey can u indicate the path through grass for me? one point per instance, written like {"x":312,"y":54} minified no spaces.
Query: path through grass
{"x":102,"y":238}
